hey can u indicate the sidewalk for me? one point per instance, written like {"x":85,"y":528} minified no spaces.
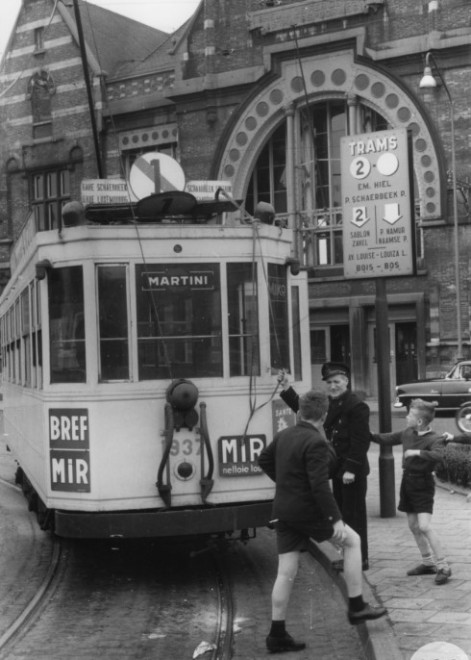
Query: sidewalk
{"x":420,"y":612}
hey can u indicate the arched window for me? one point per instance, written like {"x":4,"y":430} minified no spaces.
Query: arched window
{"x":316,"y":193}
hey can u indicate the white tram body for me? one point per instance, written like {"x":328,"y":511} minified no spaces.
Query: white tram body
{"x":139,"y":364}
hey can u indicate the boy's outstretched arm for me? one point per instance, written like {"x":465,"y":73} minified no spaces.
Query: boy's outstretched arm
{"x":460,"y":438}
{"x":387,"y":439}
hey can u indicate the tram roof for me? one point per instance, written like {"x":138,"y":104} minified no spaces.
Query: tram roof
{"x":201,"y":212}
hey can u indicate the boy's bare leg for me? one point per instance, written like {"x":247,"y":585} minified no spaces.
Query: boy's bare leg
{"x":288,"y":564}
{"x":420,"y":538}
{"x":352,"y":563}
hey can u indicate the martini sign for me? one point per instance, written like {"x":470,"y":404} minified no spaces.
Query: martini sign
{"x":378,"y":233}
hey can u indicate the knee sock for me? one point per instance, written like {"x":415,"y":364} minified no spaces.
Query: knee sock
{"x":428,"y":560}
{"x":356,"y":604}
{"x":277,"y":629}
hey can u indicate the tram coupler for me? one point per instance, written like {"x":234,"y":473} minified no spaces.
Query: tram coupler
{"x":165,"y":491}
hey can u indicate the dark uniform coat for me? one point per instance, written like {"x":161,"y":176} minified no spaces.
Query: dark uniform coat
{"x":347,"y":427}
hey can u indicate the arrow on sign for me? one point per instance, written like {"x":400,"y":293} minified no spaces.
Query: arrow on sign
{"x":392,"y":213}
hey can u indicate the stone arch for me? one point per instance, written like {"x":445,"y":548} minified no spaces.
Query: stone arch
{"x":334,"y":75}
{"x":13,"y":164}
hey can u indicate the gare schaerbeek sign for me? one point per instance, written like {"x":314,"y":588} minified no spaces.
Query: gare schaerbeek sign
{"x":378,"y":228}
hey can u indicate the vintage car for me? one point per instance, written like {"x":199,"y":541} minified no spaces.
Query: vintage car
{"x":450,"y":392}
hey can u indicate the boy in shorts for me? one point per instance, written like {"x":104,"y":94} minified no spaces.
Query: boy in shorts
{"x":303,"y":508}
{"x":423,"y":449}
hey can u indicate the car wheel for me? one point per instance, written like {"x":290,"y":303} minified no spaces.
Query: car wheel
{"x":463,"y":418}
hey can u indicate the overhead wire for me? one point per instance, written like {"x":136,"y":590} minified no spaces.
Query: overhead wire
{"x":150,"y":294}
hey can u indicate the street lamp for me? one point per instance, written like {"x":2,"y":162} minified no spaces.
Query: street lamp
{"x":428,"y":82}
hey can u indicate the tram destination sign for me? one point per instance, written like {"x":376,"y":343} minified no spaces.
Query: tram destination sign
{"x":378,"y":234}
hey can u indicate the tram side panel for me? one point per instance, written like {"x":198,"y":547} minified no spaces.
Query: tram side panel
{"x":25,"y":434}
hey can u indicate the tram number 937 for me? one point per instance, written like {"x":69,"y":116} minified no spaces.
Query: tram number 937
{"x":186,"y":447}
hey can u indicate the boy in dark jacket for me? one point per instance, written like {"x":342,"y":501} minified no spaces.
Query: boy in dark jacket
{"x":303,"y":508}
{"x":347,"y":428}
{"x":423,"y":449}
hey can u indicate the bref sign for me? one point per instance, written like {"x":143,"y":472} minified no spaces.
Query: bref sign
{"x":378,"y":217}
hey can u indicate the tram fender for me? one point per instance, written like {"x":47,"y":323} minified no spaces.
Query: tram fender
{"x":162,"y":523}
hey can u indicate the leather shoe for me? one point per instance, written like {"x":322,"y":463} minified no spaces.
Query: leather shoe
{"x":422,"y":569}
{"x":368,"y":613}
{"x":283,"y":644}
{"x":443,"y":575}
{"x":338,"y":565}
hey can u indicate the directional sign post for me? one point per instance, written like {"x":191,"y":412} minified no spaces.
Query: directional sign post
{"x":378,"y":232}
{"x":379,"y":242}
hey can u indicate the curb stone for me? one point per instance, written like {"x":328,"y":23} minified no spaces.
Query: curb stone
{"x":377,"y":637}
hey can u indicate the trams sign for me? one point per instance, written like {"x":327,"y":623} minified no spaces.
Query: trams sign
{"x":378,"y":235}
{"x":69,"y":445}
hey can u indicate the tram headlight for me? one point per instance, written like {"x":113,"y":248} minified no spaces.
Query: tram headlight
{"x":182,"y":395}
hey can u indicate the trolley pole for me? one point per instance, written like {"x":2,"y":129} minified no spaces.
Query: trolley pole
{"x":387,"y":485}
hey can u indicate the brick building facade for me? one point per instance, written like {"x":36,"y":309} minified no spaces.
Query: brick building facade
{"x":259,"y":92}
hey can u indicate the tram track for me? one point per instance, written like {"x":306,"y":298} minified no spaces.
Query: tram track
{"x":225,"y":622}
{"x":146,"y":600}
{"x":36,"y":605}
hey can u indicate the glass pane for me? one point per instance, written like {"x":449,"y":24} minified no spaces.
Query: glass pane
{"x":338,"y":248}
{"x":242,"y":302}
{"x":279,"y":331}
{"x":64,"y":183}
{"x":318,"y":347}
{"x":52,"y":185}
{"x":25,"y":320}
{"x":67,"y":331}
{"x":113,"y":323}
{"x":38,"y":190}
{"x":52,"y":216}
{"x":178,"y":321}
{"x":323,"y":249}
{"x":268,"y":180}
{"x":39,"y":217}
{"x":296,"y":313}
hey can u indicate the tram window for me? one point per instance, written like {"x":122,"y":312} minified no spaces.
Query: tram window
{"x":37,"y":359}
{"x":113,"y":323}
{"x":178,"y":320}
{"x":242,"y":304}
{"x":278,"y":313}
{"x":66,"y":323}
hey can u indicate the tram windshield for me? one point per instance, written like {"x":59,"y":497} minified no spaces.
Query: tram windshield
{"x":179,"y":320}
{"x":177,"y":314}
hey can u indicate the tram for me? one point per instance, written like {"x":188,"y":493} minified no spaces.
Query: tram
{"x":140,"y":345}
